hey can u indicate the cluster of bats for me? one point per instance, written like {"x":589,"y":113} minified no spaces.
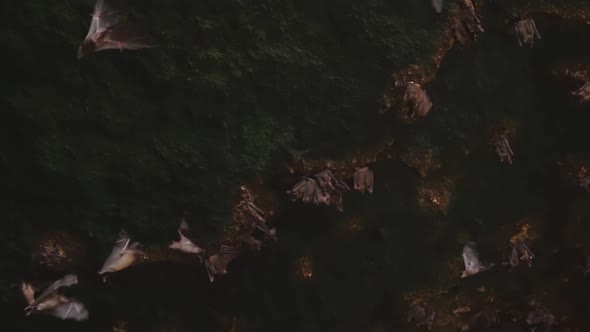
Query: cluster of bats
{"x":125,"y":252}
{"x":325,"y":188}
{"x":517,"y":252}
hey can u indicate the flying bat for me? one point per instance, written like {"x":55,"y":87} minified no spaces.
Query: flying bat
{"x":107,"y":32}
{"x":471,"y":260}
{"x":184,"y":244}
{"x":124,"y":254}
{"x":50,"y":302}
{"x":216,"y":264}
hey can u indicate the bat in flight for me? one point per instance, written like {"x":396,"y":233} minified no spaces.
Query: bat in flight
{"x":185,"y":244}
{"x":124,"y":253}
{"x":471,"y":259}
{"x":216,"y":264}
{"x":107,"y":32}
{"x":51,"y":302}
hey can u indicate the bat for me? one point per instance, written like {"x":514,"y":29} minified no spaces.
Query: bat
{"x":107,"y":32}
{"x":216,"y":264}
{"x":66,"y":281}
{"x":363,"y":180}
{"x":124,"y":253}
{"x":471,"y":260}
{"x":50,"y":302}
{"x":298,"y":189}
{"x":185,"y":244}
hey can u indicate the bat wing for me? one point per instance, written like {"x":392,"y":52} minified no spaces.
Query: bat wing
{"x":103,"y":18}
{"x":71,"y":310}
{"x":470,"y":257}
{"x":118,"y":250}
{"x":357,"y":179}
{"x":183,"y":225}
{"x":66,"y":281}
{"x":369,"y":180}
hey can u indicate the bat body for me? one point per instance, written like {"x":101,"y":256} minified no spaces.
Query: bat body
{"x":363,"y":180}
{"x":418,"y":100}
{"x":216,"y":265}
{"x":50,"y":302}
{"x":122,"y":256}
{"x":471,"y":260}
{"x":526,"y":32}
{"x":107,"y":32}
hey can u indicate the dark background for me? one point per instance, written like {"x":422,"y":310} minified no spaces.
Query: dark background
{"x":135,"y":139}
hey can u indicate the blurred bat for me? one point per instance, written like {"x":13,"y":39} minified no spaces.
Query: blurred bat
{"x":438,"y":5}
{"x":216,"y":265}
{"x":471,"y":260}
{"x":106,"y":32}
{"x":184,"y":244}
{"x":123,"y":255}
{"x":42,"y":301}
{"x":50,"y":302}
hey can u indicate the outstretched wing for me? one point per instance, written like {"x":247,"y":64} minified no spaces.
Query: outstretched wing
{"x":66,"y":281}
{"x":118,"y":37}
{"x":71,"y":310}
{"x":118,"y":250}
{"x":103,"y":17}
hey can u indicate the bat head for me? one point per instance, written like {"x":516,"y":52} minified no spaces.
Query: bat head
{"x":174,"y":245}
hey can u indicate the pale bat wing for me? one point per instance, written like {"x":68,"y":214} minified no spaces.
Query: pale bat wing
{"x":66,"y":281}
{"x":470,"y":257}
{"x":103,"y":18}
{"x":369,"y":180}
{"x":357,"y":179}
{"x":438,"y":5}
{"x":209,"y":272}
{"x":118,"y":250}
{"x":534,"y":25}
{"x":517,"y":32}
{"x":71,"y":310}
{"x":184,"y":239}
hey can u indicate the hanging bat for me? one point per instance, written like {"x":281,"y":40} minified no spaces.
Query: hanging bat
{"x":216,"y":265}
{"x":298,"y":189}
{"x":253,"y":212}
{"x":526,"y":32}
{"x":363,"y":180}
{"x":52,"y":303}
{"x":107,"y":32}
{"x":471,"y":260}
{"x":184,"y":244}
{"x":522,"y":252}
{"x":123,"y":255}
